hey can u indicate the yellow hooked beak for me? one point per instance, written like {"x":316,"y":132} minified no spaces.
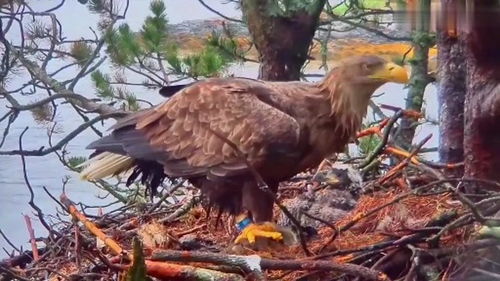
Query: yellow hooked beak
{"x":391,"y":72}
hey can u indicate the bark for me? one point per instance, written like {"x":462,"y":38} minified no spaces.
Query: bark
{"x":451,"y":90}
{"x":282,"y":40}
{"x":482,"y":101}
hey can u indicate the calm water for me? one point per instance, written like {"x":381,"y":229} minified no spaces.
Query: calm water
{"x":48,"y":171}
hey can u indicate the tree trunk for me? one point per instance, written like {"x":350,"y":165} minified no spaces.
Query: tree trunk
{"x":419,"y":77}
{"x":281,"y":38}
{"x":451,"y":89}
{"x":482,"y":101}
{"x":418,"y":81}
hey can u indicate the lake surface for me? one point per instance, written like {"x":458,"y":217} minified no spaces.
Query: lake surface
{"x":49,"y":172}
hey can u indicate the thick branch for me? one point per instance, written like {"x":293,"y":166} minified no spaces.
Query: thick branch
{"x":256,"y":264}
{"x":76,"y":97}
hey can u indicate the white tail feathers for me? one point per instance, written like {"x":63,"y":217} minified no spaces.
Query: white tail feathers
{"x":104,"y":165}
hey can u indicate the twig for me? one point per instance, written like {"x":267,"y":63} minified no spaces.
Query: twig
{"x":373,"y":130}
{"x":219,"y":13}
{"x":181,"y":211}
{"x":385,"y":138}
{"x":405,"y":162}
{"x":30,"y":189}
{"x":31,"y":233}
{"x":165,"y":197}
{"x":377,"y":209}
{"x":9,"y":242}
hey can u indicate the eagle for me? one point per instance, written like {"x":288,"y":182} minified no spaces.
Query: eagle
{"x":219,"y":132}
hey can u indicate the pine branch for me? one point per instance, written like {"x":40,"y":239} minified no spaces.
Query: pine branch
{"x":40,"y":74}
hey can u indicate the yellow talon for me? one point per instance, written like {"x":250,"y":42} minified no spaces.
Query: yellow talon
{"x":266,"y":230}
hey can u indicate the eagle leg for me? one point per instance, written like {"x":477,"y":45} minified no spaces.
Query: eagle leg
{"x":260,"y":213}
{"x":254,"y":230}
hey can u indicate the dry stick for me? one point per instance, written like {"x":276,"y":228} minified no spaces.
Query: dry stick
{"x":165,"y":197}
{"x":405,"y":162}
{"x":30,"y":189}
{"x":373,"y":130}
{"x":191,"y":202}
{"x":112,"y":244}
{"x":466,"y":201}
{"x":31,"y":232}
{"x":399,"y":152}
{"x":264,"y":187}
{"x":256,"y":264}
{"x":9,"y":242}
{"x":189,"y":231}
{"x":416,"y":160}
{"x":156,"y":269}
{"x":170,"y":271}
{"x":385,"y":138}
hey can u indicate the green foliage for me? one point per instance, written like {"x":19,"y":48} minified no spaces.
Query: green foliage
{"x":150,"y":52}
{"x":102,"y":85}
{"x":130,"y":101}
{"x":368,"y":143}
{"x":97,"y":6}
{"x":81,"y":52}
{"x":137,"y":272}
{"x":226,"y":46}
{"x":216,"y":56}
{"x":123,"y":47}
{"x":75,"y":161}
{"x":106,"y":91}
{"x":154,"y":30}
{"x":207,"y":63}
{"x":174,"y":61}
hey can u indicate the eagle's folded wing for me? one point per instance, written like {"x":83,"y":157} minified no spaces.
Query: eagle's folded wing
{"x":189,"y":133}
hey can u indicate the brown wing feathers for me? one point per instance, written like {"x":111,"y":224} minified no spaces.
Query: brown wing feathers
{"x":177,"y":135}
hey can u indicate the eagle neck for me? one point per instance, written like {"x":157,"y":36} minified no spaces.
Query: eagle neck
{"x":348,"y":102}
